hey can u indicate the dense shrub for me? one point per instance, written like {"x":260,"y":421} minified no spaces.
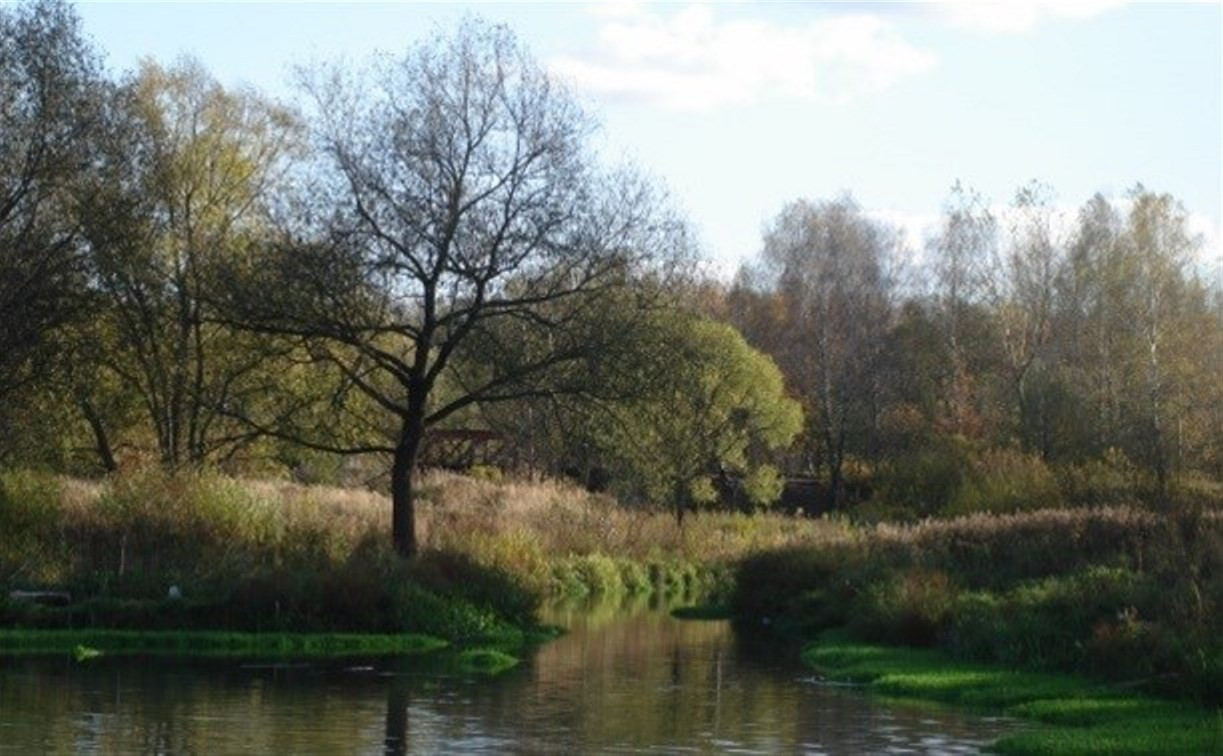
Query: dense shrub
{"x":1003,"y":481}
{"x":918,"y":484}
{"x":769,"y":584}
{"x":911,"y":608}
{"x":1122,"y":593}
{"x":949,"y":479}
{"x":458,"y":575}
{"x":1045,"y":623}
{"x":1111,"y":480}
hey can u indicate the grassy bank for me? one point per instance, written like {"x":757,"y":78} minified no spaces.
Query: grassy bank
{"x":1100,"y":626}
{"x":1120,"y":594}
{"x":153,"y":552}
{"x":212,"y":643}
{"x":1068,"y":714}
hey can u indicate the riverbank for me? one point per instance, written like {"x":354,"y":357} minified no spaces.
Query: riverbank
{"x":624,"y":676}
{"x":1118,"y":594}
{"x":89,"y":643}
{"x":1103,"y":625}
{"x":202,"y":552}
{"x":1069,"y":714}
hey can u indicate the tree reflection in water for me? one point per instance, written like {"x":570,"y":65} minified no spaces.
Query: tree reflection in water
{"x":621,"y":678}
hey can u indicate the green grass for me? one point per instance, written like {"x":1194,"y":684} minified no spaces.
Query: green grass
{"x":1143,"y":732}
{"x":83,"y":643}
{"x":1072,"y":715}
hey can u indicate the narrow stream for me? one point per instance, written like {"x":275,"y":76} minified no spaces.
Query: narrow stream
{"x":622,"y":680}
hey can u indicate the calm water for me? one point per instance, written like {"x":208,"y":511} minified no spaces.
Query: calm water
{"x":620,"y":681}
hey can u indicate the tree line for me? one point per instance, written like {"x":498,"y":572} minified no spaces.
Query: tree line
{"x":197,"y":275}
{"x":1057,"y":338}
{"x":193,"y":275}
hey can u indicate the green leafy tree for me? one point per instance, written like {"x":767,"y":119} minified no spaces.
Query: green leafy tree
{"x":709,"y":406}
{"x":186,"y":182}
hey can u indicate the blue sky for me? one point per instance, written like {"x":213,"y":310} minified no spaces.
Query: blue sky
{"x":743,"y":107}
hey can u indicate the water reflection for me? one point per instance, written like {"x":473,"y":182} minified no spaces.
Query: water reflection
{"x":622,"y":680}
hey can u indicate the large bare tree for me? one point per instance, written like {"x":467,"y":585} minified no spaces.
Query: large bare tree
{"x":459,"y":237}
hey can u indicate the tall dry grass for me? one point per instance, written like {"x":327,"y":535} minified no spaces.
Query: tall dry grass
{"x":558,"y":518}
{"x":136,"y":534}
{"x":53,"y":527}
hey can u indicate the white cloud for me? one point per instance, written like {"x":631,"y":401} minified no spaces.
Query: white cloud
{"x":690,"y":59}
{"x":1017,"y":16}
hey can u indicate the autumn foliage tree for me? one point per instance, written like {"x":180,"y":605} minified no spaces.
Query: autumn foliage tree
{"x":829,"y":267}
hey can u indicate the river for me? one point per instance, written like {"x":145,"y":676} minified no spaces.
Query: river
{"x":621,"y":680}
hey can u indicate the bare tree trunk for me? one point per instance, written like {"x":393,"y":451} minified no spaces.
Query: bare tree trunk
{"x":403,"y":471}
{"x":101,"y":441}
{"x":834,"y":482}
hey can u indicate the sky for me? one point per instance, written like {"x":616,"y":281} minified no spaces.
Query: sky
{"x":740,"y":108}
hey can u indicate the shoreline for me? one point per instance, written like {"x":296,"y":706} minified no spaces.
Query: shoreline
{"x":1068,"y":714}
{"x":210,"y":643}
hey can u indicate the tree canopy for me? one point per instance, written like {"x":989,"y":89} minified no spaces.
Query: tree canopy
{"x":711,"y":407}
{"x":194,"y":275}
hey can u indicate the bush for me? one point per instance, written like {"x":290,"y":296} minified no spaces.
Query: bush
{"x":596,"y":574}
{"x":1005,"y":481}
{"x":1045,"y":623}
{"x":918,"y":484}
{"x":31,"y":548}
{"x":912,"y":608}
{"x":1191,"y":492}
{"x":949,"y":479}
{"x":773,"y":584}
{"x":634,"y":577}
{"x":458,"y":576}
{"x":1111,"y":480}
{"x":420,"y":610}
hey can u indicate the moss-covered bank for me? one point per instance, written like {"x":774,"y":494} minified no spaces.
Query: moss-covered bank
{"x":213,"y":644}
{"x":1102,"y":627}
{"x":1067,"y":714}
